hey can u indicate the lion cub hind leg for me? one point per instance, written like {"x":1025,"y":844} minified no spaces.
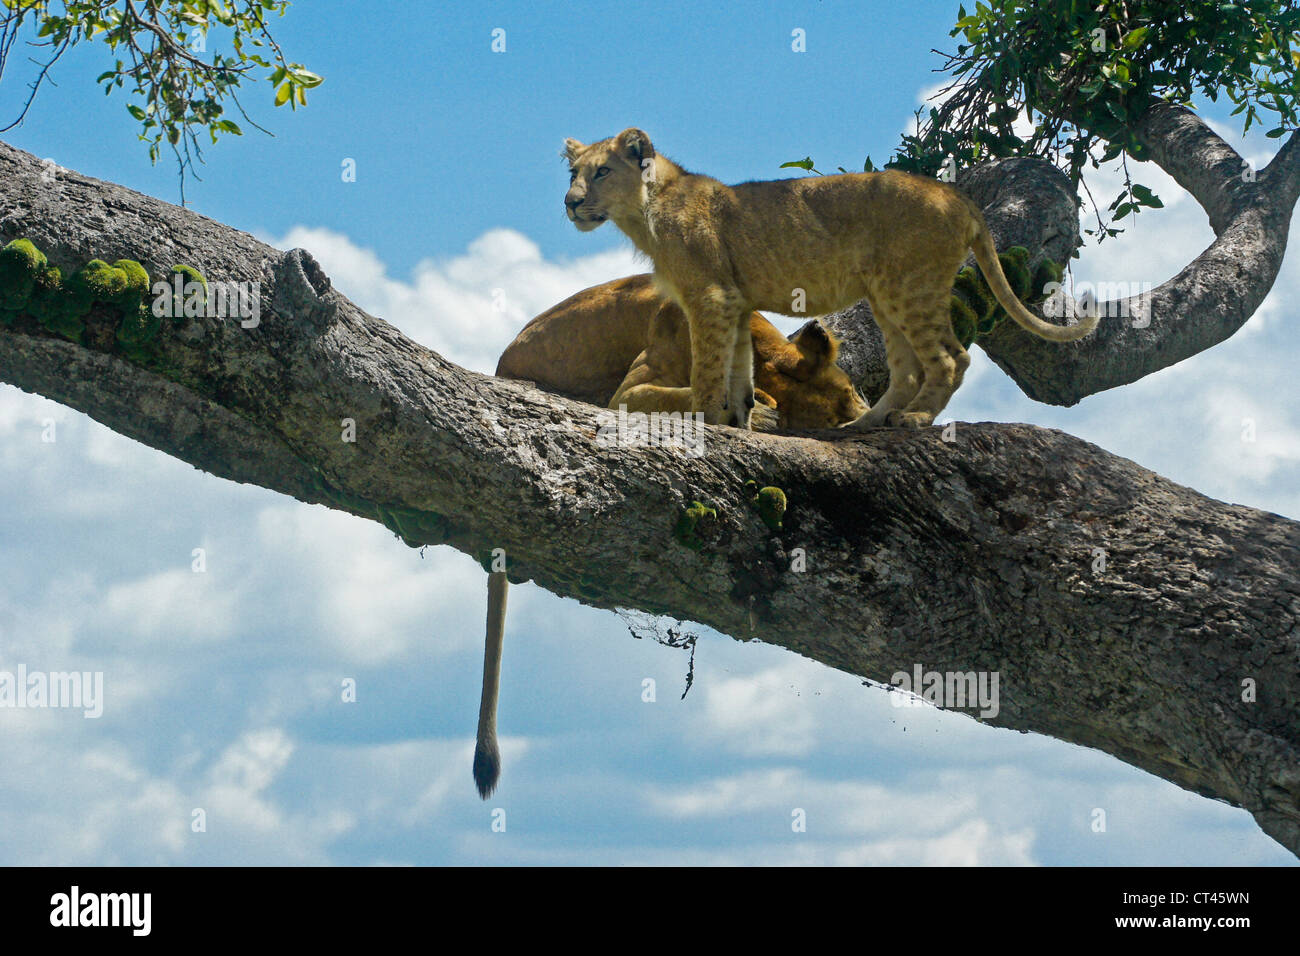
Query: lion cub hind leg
{"x":650,"y":387}
{"x":905,"y":374}
{"x":928,"y":328}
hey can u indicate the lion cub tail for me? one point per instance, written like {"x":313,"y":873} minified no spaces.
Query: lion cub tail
{"x":986,"y":254}
{"x":487,"y":758}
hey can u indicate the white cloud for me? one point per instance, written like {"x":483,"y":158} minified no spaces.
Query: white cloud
{"x":973,"y":843}
{"x":842,"y":806}
{"x":856,"y":823}
{"x":1247,"y":438}
{"x":759,"y":713}
{"x":177,"y":605}
{"x":466,"y":308}
{"x":370,"y":598}
{"x":253,"y":762}
{"x":23,"y":413}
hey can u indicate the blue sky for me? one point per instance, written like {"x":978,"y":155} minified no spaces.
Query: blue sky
{"x":223,"y":687}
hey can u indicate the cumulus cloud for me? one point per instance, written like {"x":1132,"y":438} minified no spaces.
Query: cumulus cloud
{"x":758,"y":713}
{"x":176,"y":606}
{"x":369,"y":598}
{"x":852,"y":822}
{"x":466,"y":308}
{"x":1247,"y":436}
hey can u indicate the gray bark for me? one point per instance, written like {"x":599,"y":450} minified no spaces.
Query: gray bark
{"x":977,"y":554}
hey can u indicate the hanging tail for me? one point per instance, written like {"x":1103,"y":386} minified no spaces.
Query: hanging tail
{"x":487,"y":757}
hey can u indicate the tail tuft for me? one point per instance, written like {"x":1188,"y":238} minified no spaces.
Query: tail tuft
{"x":487,"y":768}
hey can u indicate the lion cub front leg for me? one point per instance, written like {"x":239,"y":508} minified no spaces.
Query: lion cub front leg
{"x":740,"y":382}
{"x":714,"y":323}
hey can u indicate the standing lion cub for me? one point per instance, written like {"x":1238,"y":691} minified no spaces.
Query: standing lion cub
{"x":799,"y":246}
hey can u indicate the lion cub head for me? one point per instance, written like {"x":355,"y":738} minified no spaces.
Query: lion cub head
{"x":800,"y":374}
{"x":607,"y":179}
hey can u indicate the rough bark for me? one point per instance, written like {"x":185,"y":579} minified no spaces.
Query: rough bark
{"x":978,"y":554}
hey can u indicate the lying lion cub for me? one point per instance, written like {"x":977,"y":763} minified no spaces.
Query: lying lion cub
{"x":624,"y":343}
{"x":799,"y":246}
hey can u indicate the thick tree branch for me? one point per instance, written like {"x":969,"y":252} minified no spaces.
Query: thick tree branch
{"x":974,"y":555}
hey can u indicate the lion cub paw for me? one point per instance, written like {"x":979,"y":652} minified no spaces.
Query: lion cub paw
{"x":899,"y":419}
{"x":896,"y":418}
{"x":864,"y":421}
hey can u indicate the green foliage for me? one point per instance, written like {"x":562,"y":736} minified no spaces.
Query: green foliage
{"x":51,"y":307}
{"x":416,"y":528}
{"x":124,"y":284}
{"x":806,"y":164}
{"x":137,"y":281}
{"x":1046,"y":273}
{"x":140,"y":327}
{"x":345,"y":500}
{"x":20,"y":264}
{"x":189,"y":277}
{"x":29,"y":285}
{"x":1015,"y":266}
{"x":138,"y":331}
{"x":1086,"y":70}
{"x":964,"y":320}
{"x":96,"y":281}
{"x":176,"y":89}
{"x":190,"y":274}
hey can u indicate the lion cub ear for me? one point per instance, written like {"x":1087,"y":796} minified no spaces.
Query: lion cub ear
{"x":817,"y":347}
{"x":635,"y":144}
{"x":809,"y":351}
{"x":571,"y":149}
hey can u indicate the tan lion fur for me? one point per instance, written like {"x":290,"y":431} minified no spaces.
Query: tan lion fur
{"x":799,"y":246}
{"x":623,"y":343}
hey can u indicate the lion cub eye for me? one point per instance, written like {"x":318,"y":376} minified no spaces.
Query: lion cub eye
{"x":573,"y":174}
{"x":602,"y":172}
